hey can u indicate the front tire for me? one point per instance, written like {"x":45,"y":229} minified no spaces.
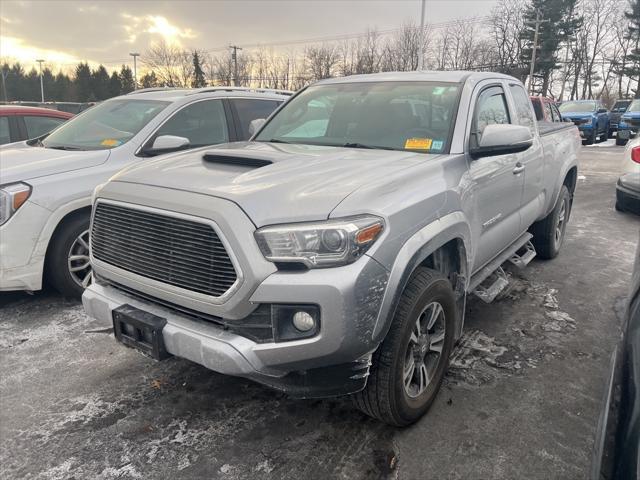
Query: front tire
{"x":621,"y":142}
{"x":409,"y":365}
{"x":68,"y":267}
{"x":549,"y":233}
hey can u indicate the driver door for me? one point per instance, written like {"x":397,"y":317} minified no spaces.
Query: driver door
{"x":497,"y":181}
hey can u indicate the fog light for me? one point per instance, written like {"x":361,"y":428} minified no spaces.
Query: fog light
{"x":303,"y":321}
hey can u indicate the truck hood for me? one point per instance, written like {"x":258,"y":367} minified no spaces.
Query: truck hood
{"x":273,"y":183}
{"x":631,"y":115}
{"x":23,"y":162}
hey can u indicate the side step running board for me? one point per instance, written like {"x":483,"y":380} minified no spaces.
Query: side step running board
{"x":523,"y":256}
{"x":488,"y":294}
{"x":520,"y":253}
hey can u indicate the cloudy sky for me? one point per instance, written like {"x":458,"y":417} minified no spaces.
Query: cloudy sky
{"x":105,"y":31}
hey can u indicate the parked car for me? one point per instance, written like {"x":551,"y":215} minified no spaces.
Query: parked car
{"x":333,"y":253}
{"x":617,"y":444}
{"x":628,"y":186}
{"x":590,"y":116}
{"x":46,"y":185}
{"x":21,"y":123}
{"x":615,"y":113}
{"x":629,"y":125}
{"x":546,"y":109}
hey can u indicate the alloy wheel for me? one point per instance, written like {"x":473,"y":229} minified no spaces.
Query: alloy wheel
{"x":78,"y":262}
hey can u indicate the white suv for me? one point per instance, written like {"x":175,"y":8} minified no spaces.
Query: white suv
{"x":46,"y":184}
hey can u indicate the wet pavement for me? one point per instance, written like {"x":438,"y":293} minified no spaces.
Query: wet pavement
{"x":521,"y":399}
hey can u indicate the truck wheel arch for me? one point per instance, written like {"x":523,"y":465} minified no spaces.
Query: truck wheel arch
{"x":446,"y":250}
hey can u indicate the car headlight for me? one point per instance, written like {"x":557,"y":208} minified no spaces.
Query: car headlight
{"x":320,"y":244}
{"x":12,"y":197}
{"x":585,"y":121}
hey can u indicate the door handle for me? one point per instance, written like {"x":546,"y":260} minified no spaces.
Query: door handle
{"x":519,"y":168}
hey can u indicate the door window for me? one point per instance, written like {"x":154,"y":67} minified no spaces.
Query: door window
{"x":37,"y":126}
{"x":548,"y":114}
{"x":5,"y":134}
{"x":524,"y":111}
{"x":203,"y":123}
{"x":491,"y":109}
{"x":249,"y":109}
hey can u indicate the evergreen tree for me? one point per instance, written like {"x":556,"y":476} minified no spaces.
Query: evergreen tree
{"x":560,"y":23}
{"x":63,"y":88}
{"x":100,"y":83}
{"x":82,"y":83}
{"x":633,"y":33}
{"x":115,"y":85}
{"x":198,"y":74}
{"x":126,"y":78}
{"x":149,"y":80}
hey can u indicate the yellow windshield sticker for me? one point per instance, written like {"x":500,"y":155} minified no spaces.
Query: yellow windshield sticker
{"x":418,"y":143}
{"x":110,"y":142}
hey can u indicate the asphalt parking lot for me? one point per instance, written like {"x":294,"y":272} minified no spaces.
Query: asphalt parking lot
{"x":521,"y":399}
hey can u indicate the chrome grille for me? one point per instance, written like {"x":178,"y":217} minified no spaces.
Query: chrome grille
{"x":172,"y":250}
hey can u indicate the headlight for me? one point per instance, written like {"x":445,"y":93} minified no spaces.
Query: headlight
{"x":12,"y":197}
{"x":320,"y":244}
{"x":585,"y":121}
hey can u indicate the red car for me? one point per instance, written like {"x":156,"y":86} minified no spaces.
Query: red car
{"x":19,"y":123}
{"x":546,"y":109}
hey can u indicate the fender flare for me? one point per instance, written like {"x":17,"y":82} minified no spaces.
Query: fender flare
{"x":40,"y":249}
{"x":412,"y":253}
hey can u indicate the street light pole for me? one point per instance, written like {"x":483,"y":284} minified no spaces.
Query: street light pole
{"x":135,"y":55}
{"x":41,"y":84}
{"x":421,"y":37}
{"x":234,"y":57}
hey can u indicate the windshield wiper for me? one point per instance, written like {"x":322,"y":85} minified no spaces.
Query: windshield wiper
{"x":64,"y":147}
{"x":364,"y":145}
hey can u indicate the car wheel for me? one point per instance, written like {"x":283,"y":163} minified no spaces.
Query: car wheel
{"x":592,"y":138}
{"x":68,"y":266}
{"x":621,"y":141}
{"x":409,"y":365}
{"x":549,"y":233}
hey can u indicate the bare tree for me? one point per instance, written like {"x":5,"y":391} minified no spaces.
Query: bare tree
{"x":172,"y":65}
{"x":322,"y":61}
{"x":507,"y":23}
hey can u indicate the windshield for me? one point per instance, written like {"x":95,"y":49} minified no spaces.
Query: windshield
{"x":107,"y":125}
{"x":634,"y":107}
{"x":415,"y":116}
{"x":578,"y":107}
{"x":620,"y":106}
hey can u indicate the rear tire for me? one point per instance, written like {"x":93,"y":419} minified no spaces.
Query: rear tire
{"x":69,"y":250}
{"x":549,"y":233}
{"x":621,"y":141}
{"x":409,"y":365}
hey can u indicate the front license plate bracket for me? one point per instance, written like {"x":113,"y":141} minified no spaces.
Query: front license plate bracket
{"x":140,"y":330}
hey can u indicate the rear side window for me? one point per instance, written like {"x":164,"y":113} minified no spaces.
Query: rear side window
{"x":548,"y":114}
{"x":524,"y":114}
{"x":203,"y":123}
{"x":37,"y":126}
{"x":249,"y":109}
{"x":5,"y":135}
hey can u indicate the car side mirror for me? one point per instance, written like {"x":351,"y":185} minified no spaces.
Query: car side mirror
{"x":602,"y":110}
{"x":256,"y":125}
{"x":166,"y":144}
{"x":502,"y":139}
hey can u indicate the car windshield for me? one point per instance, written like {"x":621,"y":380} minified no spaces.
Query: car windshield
{"x":415,"y":116}
{"x":107,"y":125}
{"x":634,"y":107}
{"x":620,"y":106}
{"x":578,"y":107}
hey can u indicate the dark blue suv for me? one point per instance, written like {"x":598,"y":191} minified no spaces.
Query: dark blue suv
{"x":590,"y":116}
{"x":629,"y":125}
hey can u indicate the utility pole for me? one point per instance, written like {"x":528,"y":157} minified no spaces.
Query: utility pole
{"x":565,"y":70}
{"x":135,"y":55}
{"x":234,"y":57}
{"x":533,"y":51}
{"x":41,"y":84}
{"x":421,"y":37}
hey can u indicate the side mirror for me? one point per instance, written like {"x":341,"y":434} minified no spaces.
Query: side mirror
{"x":501,"y":139}
{"x":602,"y":110}
{"x":166,"y":144}
{"x":256,"y":125}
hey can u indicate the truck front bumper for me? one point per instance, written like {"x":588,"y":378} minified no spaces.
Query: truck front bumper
{"x":335,"y":361}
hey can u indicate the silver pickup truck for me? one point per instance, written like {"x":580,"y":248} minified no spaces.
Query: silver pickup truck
{"x":333,"y":253}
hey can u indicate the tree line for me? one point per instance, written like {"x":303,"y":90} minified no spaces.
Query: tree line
{"x":585,"y":49}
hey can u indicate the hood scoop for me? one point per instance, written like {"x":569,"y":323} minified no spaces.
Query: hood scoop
{"x":239,"y":161}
